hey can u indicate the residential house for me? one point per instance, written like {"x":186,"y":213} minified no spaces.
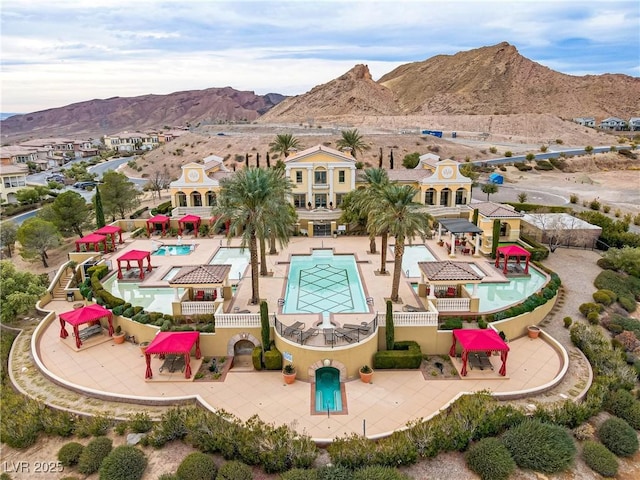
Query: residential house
{"x":18,"y":155}
{"x":130,"y":141}
{"x":57,"y":150}
{"x":613,"y":123}
{"x":585,"y":121}
{"x":634,"y":124}
{"x":560,"y":229}
{"x":509,"y":219}
{"x":12,"y":179}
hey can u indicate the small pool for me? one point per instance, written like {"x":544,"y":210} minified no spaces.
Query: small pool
{"x":412,"y":255}
{"x":328,"y":393}
{"x":324,"y":283}
{"x":151,"y":299}
{"x":171,"y":273}
{"x":498,"y":295}
{"x":166,"y":250}
{"x":238,"y":258}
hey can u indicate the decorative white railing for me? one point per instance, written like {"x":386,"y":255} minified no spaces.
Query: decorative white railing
{"x":197,"y":308}
{"x":411,"y":319}
{"x":203,"y":212}
{"x":241,"y":320}
{"x":453,"y":304}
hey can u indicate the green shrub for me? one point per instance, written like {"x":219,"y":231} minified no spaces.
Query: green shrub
{"x":171,"y":427}
{"x":629,"y":304}
{"x":599,"y":459}
{"x":93,"y":454}
{"x":589,"y":307}
{"x":523,"y":167}
{"x":622,"y":403}
{"x":125,"y":462}
{"x":567,"y":322}
{"x":573,"y":198}
{"x":93,"y":426}
{"x":299,"y":474}
{"x":273,"y":359}
{"x":140,"y":422}
{"x":490,"y":459}
{"x":69,"y":453}
{"x":234,"y":470}
{"x":451,"y":323}
{"x":543,"y":165}
{"x":256,"y":358}
{"x":406,"y":354}
{"x":168,"y":476}
{"x":538,"y":446}
{"x":618,"y":436}
{"x":594,"y":205}
{"x":334,"y":472}
{"x":602,"y":297}
{"x":57,"y":422}
{"x":197,"y":466}
{"x":376,"y":472}
{"x":593,"y":318}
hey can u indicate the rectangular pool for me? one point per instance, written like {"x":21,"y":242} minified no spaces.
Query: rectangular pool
{"x":151,"y":299}
{"x":238,"y":258}
{"x":166,"y":250}
{"x":324,"y":283}
{"x":498,"y":295}
{"x":412,"y":255}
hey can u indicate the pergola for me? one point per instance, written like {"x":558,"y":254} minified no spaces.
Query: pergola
{"x":479,"y":340}
{"x":90,"y":313}
{"x":457,"y":226}
{"x":135,"y":256}
{"x":173,"y":343}
{"x":447,"y":274}
{"x":193,"y":220}
{"x":92,"y":239}
{"x":510,"y":251}
{"x":111,"y":230}
{"x":161,"y":219}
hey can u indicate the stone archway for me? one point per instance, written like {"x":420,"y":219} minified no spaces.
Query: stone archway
{"x":240,"y":347}
{"x":231,"y":344}
{"x":341,"y":367}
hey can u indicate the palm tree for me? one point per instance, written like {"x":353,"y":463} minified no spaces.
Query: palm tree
{"x":376,"y":180}
{"x":246,"y":201}
{"x":353,"y":140}
{"x":283,"y":143}
{"x":403,"y":219}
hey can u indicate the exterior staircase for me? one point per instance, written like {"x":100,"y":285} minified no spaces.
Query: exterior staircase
{"x":58,"y":292}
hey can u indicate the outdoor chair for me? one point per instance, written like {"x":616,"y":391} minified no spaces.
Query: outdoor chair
{"x":89,"y":332}
{"x":346,"y":334}
{"x":364,"y":327}
{"x":168,"y":362}
{"x":411,"y":308}
{"x":295,"y":328}
{"x":451,"y":292}
{"x":466,"y":251}
{"x":480,"y":360}
{"x":199,"y":295}
{"x":329,"y":336}
{"x":311,"y":332}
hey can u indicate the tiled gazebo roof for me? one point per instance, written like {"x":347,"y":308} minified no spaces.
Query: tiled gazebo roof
{"x":495,"y":210}
{"x":201,"y":274}
{"x":448,"y":271}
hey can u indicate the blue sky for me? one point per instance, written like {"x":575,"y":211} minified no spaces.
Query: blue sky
{"x":54,"y":53}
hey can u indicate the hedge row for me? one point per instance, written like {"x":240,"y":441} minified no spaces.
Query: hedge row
{"x":406,"y":354}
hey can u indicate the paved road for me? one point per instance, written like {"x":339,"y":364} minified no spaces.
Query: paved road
{"x":546,"y":155}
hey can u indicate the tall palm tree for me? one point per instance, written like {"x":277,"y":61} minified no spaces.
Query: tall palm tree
{"x":246,"y":200}
{"x":403,"y":219}
{"x":353,"y":140}
{"x":376,"y":180}
{"x":283,"y":143}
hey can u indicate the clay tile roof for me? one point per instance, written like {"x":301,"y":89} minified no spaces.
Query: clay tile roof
{"x":495,"y":210}
{"x":200,"y":274}
{"x":411,"y":175}
{"x":448,"y":271}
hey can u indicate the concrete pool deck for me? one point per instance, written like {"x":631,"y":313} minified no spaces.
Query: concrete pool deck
{"x":110,"y":371}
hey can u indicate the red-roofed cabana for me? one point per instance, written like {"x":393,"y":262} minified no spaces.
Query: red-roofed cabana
{"x":194,"y":220}
{"x":158,"y":219}
{"x":111,"y":230}
{"x":511,"y":251}
{"x":92,"y":239}
{"x":135,"y":256}
{"x":173,"y":343}
{"x":479,"y":340}
{"x":90,"y":313}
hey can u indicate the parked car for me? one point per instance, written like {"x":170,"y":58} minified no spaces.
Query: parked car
{"x":56,"y":177}
{"x":85,"y":185}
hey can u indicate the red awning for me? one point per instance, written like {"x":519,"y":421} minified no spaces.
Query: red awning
{"x":509,"y":251}
{"x":111,"y":230}
{"x":192,"y":219}
{"x":135,"y":256}
{"x":92,"y":239}
{"x":479,"y":340}
{"x":87,"y":314}
{"x":173,"y":343}
{"x":161,"y":219}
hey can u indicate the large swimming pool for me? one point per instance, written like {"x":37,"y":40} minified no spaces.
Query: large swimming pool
{"x":324,"y":283}
{"x":498,"y":295}
{"x":151,"y":299}
{"x":412,"y":255}
{"x":238,"y":258}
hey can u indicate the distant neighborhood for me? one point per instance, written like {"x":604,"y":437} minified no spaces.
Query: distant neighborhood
{"x":610,"y":123}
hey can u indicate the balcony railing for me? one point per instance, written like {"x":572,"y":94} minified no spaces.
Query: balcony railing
{"x":198,"y":308}
{"x":428,"y":318}
{"x":452,"y":304}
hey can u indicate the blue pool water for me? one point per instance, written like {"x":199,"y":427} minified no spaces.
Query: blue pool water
{"x":412,"y":255}
{"x":173,"y":250}
{"x":328,"y":394}
{"x":498,"y":295}
{"x":238,"y":258}
{"x":322,"y":283}
{"x":151,"y":299}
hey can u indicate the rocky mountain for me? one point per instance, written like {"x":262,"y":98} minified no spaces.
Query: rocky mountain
{"x":484,"y":81}
{"x":99,"y":117}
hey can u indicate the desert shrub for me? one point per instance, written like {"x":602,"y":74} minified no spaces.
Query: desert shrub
{"x":140,"y":422}
{"x":299,"y":474}
{"x":125,"y":462}
{"x":629,"y":304}
{"x":171,"y":427}
{"x":93,"y":454}
{"x":599,"y":459}
{"x":573,"y":198}
{"x":523,"y":167}
{"x":451,"y":323}
{"x":593,"y":318}
{"x":334,"y":472}
{"x":622,"y":403}
{"x":567,"y":322}
{"x":589,"y":307}
{"x":594,"y":205}
{"x":197,"y":466}
{"x":584,"y":432}
{"x":69,"y":453}
{"x":538,"y":446}
{"x":600,"y":296}
{"x":93,"y":426}
{"x":490,"y":459}
{"x":376,"y":472}
{"x":618,"y":436}
{"x":606,"y":209}
{"x":508,"y":153}
{"x":168,"y":476}
{"x":57,"y":422}
{"x":234,"y":470}
{"x":628,"y":340}
{"x":543,"y":165}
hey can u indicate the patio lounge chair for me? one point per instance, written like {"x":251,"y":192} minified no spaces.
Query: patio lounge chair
{"x":310,"y":332}
{"x":168,"y":363}
{"x":178,"y":364}
{"x":89,"y":332}
{"x":295,"y":328}
{"x":364,"y":327}
{"x":480,"y":360}
{"x":348,"y":335}
{"x":411,"y":308}
{"x":329,"y":335}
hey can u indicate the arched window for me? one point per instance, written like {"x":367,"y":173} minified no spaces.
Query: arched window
{"x":196,"y":199}
{"x":430,"y":196}
{"x":445,"y":197}
{"x":461,"y":196}
{"x":212,"y":199}
{"x":504,"y":229}
{"x":181,"y":199}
